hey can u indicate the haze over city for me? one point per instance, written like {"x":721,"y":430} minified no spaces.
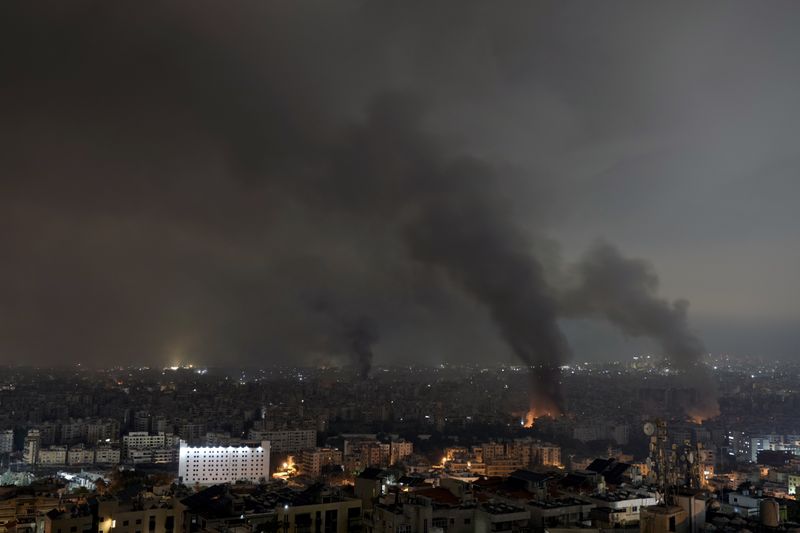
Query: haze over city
{"x":375,"y":267}
{"x":236,"y":183}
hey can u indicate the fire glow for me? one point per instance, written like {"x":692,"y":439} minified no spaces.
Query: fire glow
{"x":534,"y":413}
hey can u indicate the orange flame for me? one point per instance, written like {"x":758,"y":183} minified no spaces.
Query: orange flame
{"x":534,"y":413}
{"x":530,"y":419}
{"x":698,"y":415}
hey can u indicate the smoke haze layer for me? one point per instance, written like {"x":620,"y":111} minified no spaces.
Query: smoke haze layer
{"x":176,"y":182}
{"x":624,"y":291}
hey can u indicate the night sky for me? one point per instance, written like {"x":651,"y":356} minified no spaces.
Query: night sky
{"x":248,"y":182}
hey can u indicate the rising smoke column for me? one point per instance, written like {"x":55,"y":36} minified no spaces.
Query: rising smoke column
{"x":452,"y":218}
{"x":362,"y":334}
{"x":624,"y":291}
{"x":468,"y":236}
{"x":346,"y":332}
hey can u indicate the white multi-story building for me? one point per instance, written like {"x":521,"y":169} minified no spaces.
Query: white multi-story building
{"x":54,"y":455}
{"x":80,"y":455}
{"x":108,"y":455}
{"x":286,"y":441}
{"x":142,"y":440}
{"x":209,"y":465}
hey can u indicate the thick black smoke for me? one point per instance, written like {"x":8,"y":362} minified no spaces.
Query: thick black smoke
{"x":175,"y":180}
{"x":363,"y":334}
{"x":469,"y":234}
{"x":624,"y":291}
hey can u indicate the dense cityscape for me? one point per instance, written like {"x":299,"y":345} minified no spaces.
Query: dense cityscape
{"x":446,"y":444}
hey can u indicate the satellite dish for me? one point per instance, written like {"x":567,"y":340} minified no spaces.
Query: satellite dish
{"x":649,"y":428}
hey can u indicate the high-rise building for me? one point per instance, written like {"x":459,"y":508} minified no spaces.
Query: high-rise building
{"x":73,"y":431}
{"x":102,"y":431}
{"x":312,"y":461}
{"x":210,"y":465}
{"x":141,"y":421}
{"x":33,"y":442}
{"x":400,"y":449}
{"x":7,"y":441}
{"x":192,"y":432}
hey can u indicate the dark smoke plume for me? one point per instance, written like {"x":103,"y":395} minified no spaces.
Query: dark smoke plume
{"x":453,"y":219}
{"x":362,"y":334}
{"x":355,"y":335}
{"x":624,"y":291}
{"x":468,"y":234}
{"x":206,"y":167}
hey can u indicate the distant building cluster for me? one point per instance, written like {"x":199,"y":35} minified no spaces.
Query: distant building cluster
{"x":501,"y":458}
{"x":34,"y":453}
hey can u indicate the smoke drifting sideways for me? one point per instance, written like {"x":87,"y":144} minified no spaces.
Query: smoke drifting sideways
{"x":199,"y":195}
{"x":624,"y":291}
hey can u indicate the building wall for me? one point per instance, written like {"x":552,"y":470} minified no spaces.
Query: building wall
{"x":55,"y":455}
{"x":78,"y":455}
{"x":209,"y":465}
{"x":65,"y":524}
{"x":31,"y":447}
{"x":24,"y":506}
{"x":400,"y":450}
{"x":287,"y":441}
{"x":150,"y":519}
{"x":107,"y":455}
{"x":312,"y":461}
{"x":333,"y":517}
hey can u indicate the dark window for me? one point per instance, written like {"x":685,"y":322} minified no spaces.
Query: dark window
{"x":138,"y":521}
{"x":672,"y":523}
{"x":73,"y":529}
{"x":126,"y":523}
{"x":331,"y":518}
{"x":151,"y":524}
{"x":302,"y":523}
